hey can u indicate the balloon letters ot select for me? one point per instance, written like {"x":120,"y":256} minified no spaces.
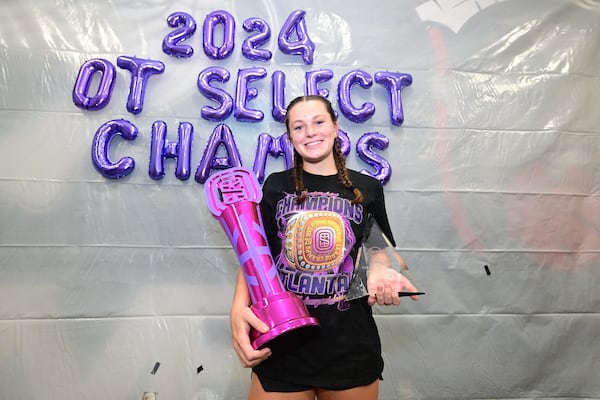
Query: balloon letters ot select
{"x":233,"y":197}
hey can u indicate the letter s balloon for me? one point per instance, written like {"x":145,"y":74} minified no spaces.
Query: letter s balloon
{"x":383,"y":170}
{"x":217,"y":95}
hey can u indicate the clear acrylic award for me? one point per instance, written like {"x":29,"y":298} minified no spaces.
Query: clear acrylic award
{"x":376,"y":251}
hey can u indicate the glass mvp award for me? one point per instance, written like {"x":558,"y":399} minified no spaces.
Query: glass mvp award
{"x":377,"y":252}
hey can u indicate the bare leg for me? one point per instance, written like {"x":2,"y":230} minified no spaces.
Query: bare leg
{"x":258,"y":393}
{"x":368,"y":392}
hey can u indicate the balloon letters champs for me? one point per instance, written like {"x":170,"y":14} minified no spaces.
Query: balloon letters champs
{"x":233,"y":197}
{"x":293,"y":40}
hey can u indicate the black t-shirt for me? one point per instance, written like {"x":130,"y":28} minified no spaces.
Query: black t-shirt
{"x":314,"y":246}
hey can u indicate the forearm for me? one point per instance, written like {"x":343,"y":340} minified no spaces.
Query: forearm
{"x":400,"y":260}
{"x":241,"y":295}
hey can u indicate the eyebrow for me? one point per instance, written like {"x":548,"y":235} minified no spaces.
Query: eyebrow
{"x":313,"y":118}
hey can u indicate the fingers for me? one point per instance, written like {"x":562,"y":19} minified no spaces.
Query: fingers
{"x":406,"y":284}
{"x":372,"y":299}
{"x":384,"y":295}
{"x":242,"y":321}
{"x":384,"y":285}
{"x":256,"y":322}
{"x":249,"y":357}
{"x":409,"y":287}
{"x":414,"y":298}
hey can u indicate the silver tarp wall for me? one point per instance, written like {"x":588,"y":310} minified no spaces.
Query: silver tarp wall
{"x":113,"y":286}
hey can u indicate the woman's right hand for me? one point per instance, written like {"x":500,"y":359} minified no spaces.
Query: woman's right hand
{"x":242,"y":319}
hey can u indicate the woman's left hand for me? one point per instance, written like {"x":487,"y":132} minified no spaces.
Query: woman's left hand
{"x":384,"y":283}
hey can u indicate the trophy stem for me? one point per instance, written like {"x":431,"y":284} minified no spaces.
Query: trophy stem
{"x":241,"y":224}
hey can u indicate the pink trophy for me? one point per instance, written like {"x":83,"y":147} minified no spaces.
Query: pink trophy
{"x":233,"y":197}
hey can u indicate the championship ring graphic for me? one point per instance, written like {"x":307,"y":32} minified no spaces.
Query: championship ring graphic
{"x":316,"y":241}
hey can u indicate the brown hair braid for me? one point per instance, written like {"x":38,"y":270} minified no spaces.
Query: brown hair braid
{"x":340,"y":160}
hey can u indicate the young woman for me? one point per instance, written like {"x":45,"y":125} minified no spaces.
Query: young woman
{"x":315,"y":215}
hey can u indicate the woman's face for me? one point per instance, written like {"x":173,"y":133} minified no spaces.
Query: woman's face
{"x":312,"y":133}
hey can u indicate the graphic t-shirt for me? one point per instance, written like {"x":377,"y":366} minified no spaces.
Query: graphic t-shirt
{"x":314,"y":245}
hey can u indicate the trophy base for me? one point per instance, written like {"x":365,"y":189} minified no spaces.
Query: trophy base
{"x":290,"y":323}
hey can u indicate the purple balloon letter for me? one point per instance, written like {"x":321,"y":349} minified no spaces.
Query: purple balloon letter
{"x":161,"y":148}
{"x":84,"y":80}
{"x":221,"y":135}
{"x":219,"y":96}
{"x":354,"y":114}
{"x":210,"y":23}
{"x":394,"y":82}
{"x":244,"y":93}
{"x":313,"y":78}
{"x":140,"y":72}
{"x":101,"y":146}
{"x":251,"y":46}
{"x":186,"y":26}
{"x":302,"y":45}
{"x":276,"y":147}
{"x":383,"y":170}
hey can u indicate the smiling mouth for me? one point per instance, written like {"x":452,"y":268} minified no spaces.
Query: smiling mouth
{"x":311,"y":144}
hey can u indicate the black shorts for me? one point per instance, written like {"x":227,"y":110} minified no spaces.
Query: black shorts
{"x":282,"y":387}
{"x":273,"y":385}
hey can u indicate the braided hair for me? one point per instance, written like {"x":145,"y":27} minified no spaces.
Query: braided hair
{"x":340,"y":160}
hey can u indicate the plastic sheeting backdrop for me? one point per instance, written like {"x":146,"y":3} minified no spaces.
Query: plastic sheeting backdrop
{"x":110,"y":288}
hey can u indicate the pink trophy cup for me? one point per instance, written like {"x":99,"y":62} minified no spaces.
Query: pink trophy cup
{"x":233,"y":197}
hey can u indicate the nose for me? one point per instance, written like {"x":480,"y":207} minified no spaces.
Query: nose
{"x":309,"y":130}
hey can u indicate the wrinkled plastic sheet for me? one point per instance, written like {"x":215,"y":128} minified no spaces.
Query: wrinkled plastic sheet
{"x":112,"y":288}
